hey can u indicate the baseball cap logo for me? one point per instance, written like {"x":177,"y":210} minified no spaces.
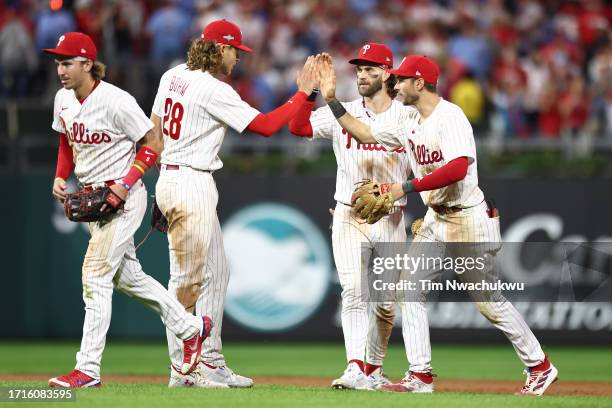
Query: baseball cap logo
{"x":365,"y":48}
{"x":418,"y":72}
{"x":62,"y":38}
{"x":228,"y":37}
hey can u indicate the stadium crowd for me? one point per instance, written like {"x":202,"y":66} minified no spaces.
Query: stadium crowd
{"x":519,"y":68}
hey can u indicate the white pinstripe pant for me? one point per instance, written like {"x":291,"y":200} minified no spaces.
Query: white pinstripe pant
{"x":470,"y":225}
{"x":111,"y":261}
{"x":199,"y":272}
{"x":366,"y":326}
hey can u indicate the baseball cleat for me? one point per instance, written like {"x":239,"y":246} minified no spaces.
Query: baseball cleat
{"x":194,"y":379}
{"x":377,"y":379}
{"x":192,"y":347}
{"x":413,"y":382}
{"x":224,"y":375}
{"x":539,"y":378}
{"x":352,"y":379}
{"x":75,"y":379}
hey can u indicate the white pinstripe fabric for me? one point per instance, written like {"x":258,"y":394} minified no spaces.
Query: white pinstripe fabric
{"x":210,"y":106}
{"x":102,"y":131}
{"x":471,"y":226}
{"x":443,"y":136}
{"x":199,"y":271}
{"x":111,"y":261}
{"x":434,"y":141}
{"x":362,"y":323}
{"x":367,"y":327}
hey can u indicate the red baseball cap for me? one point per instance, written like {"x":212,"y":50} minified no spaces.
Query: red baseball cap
{"x":224,"y":32}
{"x":374,"y":52}
{"x":74,"y":44}
{"x":418,"y":66}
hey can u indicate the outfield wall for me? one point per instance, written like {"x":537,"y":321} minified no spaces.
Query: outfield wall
{"x":284,"y":284}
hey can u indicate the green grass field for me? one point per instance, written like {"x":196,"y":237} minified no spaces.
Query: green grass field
{"x":306,"y":360}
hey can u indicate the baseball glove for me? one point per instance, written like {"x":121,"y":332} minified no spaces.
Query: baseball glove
{"x":88,"y":205}
{"x":372,"y":201}
{"x":158,"y":221}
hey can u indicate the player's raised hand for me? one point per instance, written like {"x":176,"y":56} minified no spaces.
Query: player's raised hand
{"x":328,"y":78}
{"x":306,"y":77}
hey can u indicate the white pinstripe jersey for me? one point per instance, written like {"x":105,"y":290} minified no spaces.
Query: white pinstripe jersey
{"x":102,"y":131}
{"x":196,"y":109}
{"x":445,"y":135}
{"x":362,"y":161}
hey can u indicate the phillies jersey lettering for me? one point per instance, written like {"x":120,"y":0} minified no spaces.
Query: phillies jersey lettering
{"x":367,"y":146}
{"x":422,"y":155}
{"x":440,"y":138}
{"x":80,"y":134}
{"x":196,"y":109}
{"x":362,"y":161}
{"x":102,"y":131}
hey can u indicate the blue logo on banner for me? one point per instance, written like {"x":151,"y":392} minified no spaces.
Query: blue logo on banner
{"x":280,"y":267}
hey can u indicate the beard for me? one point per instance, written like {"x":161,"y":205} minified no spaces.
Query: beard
{"x":370,"y":90}
{"x":409,"y":99}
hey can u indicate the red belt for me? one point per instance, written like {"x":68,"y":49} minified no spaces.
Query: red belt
{"x":171,"y":167}
{"x":98,"y":185}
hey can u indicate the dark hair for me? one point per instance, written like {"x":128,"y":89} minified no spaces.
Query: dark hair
{"x":390,"y":85}
{"x":431,"y":87}
{"x":98,"y":71}
{"x":204,"y":55}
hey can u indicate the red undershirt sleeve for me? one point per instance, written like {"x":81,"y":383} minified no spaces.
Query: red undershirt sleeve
{"x":450,"y":173}
{"x":266,"y":124}
{"x":300,"y":125}
{"x":65,"y":162}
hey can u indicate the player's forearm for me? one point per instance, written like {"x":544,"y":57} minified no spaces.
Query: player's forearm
{"x":145,"y":158}
{"x":300,"y":125}
{"x":357,"y":129}
{"x":450,"y":173}
{"x":65,"y":159}
{"x":271,"y":122}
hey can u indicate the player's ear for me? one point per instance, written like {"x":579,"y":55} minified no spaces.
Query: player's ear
{"x":385,"y":76}
{"x":87,"y":65}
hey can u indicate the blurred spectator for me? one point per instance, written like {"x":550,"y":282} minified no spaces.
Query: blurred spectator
{"x":18,"y":60}
{"x":507,"y":89}
{"x":549,"y":120}
{"x":471,"y":48}
{"x":169,"y":28}
{"x":574,"y":105}
{"x":50,"y":25}
{"x":469,"y":95}
{"x":538,"y":80}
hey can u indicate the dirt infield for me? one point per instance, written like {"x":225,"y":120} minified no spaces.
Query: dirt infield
{"x":468,"y":386}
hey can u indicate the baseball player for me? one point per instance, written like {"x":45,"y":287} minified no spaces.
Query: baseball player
{"x":443,"y":160}
{"x":193,"y":109}
{"x":99,"y":126}
{"x":357,"y":162}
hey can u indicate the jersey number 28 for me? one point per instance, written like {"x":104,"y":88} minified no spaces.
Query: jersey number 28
{"x":173,"y":114}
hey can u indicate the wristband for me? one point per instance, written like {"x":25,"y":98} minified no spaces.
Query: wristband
{"x":408,"y":187}
{"x":336,"y":108}
{"x":313,"y":95}
{"x":124,"y":184}
{"x":147,"y":156}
